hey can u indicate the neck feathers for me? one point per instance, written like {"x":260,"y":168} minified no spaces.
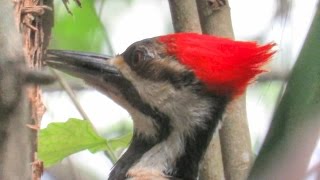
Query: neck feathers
{"x":175,"y":157}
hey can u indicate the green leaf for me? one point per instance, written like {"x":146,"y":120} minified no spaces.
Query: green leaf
{"x":120,"y":142}
{"x":82,"y":31}
{"x":59,"y":140}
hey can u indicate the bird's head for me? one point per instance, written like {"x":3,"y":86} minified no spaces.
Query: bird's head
{"x":176,"y":88}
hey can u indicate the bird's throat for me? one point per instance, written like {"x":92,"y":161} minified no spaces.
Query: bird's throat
{"x":178,"y":156}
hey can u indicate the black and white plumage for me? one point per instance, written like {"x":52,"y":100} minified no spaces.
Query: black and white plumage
{"x":174,"y":113}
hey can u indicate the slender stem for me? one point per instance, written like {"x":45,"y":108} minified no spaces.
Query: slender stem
{"x":71,"y":94}
{"x":73,"y":98}
{"x":105,"y":32}
{"x":110,"y":153}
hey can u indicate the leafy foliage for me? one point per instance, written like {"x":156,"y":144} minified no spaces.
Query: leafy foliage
{"x":60,"y":140}
{"x":81,"y":31}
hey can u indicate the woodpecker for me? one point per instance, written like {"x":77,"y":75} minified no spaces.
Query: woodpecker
{"x":176,"y":88}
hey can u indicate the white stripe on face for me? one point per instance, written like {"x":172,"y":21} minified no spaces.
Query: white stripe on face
{"x":185,"y":109}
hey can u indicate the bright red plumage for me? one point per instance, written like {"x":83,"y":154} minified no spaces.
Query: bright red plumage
{"x":224,"y":65}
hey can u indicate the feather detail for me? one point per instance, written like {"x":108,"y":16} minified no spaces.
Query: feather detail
{"x":225,"y":66}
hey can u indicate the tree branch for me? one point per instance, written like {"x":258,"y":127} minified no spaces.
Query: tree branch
{"x":184,"y":16}
{"x":185,"y":19}
{"x":295,"y":127}
{"x":35,"y":20}
{"x":15,"y":139}
{"x":234,"y":136}
{"x":215,"y":20}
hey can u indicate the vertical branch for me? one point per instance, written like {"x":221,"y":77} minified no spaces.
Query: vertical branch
{"x":234,"y":136}
{"x":184,"y":16}
{"x":294,"y":130}
{"x":186,"y":19}
{"x":235,"y":141}
{"x":15,"y":148}
{"x":35,"y":20}
{"x":211,"y":166}
{"x":215,"y":18}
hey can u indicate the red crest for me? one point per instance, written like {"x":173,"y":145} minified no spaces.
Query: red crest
{"x":224,"y":65}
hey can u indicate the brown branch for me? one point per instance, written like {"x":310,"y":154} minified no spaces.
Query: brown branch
{"x":185,"y":19}
{"x":184,"y":16}
{"x":235,"y":141}
{"x":15,"y":146}
{"x":215,"y":20}
{"x":35,"y":19}
{"x":234,"y":136}
{"x":211,"y":166}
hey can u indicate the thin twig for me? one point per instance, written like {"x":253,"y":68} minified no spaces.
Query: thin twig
{"x":71,"y":94}
{"x":73,"y":98}
{"x":105,"y":34}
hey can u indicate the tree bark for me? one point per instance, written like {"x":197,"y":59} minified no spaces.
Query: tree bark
{"x":215,"y":20}
{"x":15,"y":138}
{"x":185,"y":18}
{"x":35,"y":20}
{"x":235,"y":141}
{"x":211,"y":166}
{"x":18,"y":142}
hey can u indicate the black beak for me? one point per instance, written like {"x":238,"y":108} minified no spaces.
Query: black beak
{"x":81,"y":64}
{"x":97,"y":70}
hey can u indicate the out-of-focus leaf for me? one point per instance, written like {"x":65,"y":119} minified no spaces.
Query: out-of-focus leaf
{"x":81,"y":31}
{"x":59,"y":140}
{"x":121,"y":142}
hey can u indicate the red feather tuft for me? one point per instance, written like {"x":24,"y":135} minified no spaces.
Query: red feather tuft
{"x":224,"y":65}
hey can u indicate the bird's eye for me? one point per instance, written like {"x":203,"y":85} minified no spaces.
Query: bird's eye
{"x":137,"y":57}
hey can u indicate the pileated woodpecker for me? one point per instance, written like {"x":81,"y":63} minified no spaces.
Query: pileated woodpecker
{"x":176,"y":88}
